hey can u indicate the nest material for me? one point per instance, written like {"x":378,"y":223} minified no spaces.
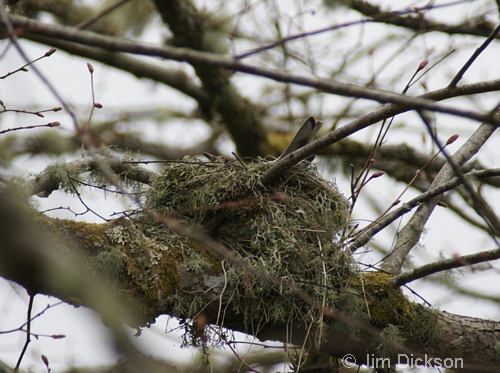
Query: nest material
{"x":289,"y":229}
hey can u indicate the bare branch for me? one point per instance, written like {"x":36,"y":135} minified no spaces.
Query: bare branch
{"x":409,"y":236}
{"x":436,"y":190}
{"x":175,"y":78}
{"x":49,"y":125}
{"x":359,"y":124}
{"x":376,"y":15}
{"x":478,"y":202}
{"x":216,"y":60}
{"x":7,"y":27}
{"x":421,"y":24}
{"x":444,"y":265}
{"x":474,"y":56}
{"x":23,"y":68}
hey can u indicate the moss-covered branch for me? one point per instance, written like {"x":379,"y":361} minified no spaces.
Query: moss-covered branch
{"x":56,"y":176}
{"x":282,"y":240}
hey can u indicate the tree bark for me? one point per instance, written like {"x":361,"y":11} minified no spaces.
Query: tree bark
{"x":147,"y":276}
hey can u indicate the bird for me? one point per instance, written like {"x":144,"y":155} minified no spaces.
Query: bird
{"x":303,"y":137}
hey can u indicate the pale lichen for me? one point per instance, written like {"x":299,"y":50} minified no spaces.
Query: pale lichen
{"x":289,"y":230}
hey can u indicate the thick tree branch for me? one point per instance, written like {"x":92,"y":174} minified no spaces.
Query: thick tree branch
{"x":409,"y":236}
{"x":436,"y":190}
{"x":32,"y":256}
{"x":175,"y":78}
{"x":216,"y":60}
{"x":146,"y":269}
{"x":343,"y":132}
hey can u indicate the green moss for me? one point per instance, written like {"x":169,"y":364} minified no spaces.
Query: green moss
{"x":387,"y":307}
{"x":385,"y":304}
{"x":141,"y":268}
{"x":19,"y":188}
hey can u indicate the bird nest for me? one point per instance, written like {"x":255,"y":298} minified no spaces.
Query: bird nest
{"x":290,"y":230}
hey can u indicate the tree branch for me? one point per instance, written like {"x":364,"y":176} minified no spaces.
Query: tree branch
{"x":29,"y":256}
{"x":436,"y":190}
{"x":216,"y":60}
{"x":420,"y":23}
{"x":408,"y":237}
{"x":241,"y":118}
{"x":342,"y":132}
{"x":444,"y":265}
{"x":49,"y":180}
{"x":175,"y":78}
{"x":32,"y":256}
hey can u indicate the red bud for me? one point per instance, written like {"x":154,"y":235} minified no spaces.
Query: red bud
{"x":50,"y":52}
{"x":452,"y":139}
{"x":74,"y":301}
{"x":422,"y":65}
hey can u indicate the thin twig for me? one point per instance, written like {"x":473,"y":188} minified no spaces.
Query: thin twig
{"x":397,"y":200}
{"x":474,"y":56}
{"x":79,"y":196}
{"x":478,"y":203}
{"x":431,"y":67}
{"x":362,"y":179}
{"x":23,"y":68}
{"x":51,"y":124}
{"x":376,"y":18}
{"x":100,"y":15}
{"x":28,"y":332}
{"x":94,"y":106}
{"x":6,"y":20}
